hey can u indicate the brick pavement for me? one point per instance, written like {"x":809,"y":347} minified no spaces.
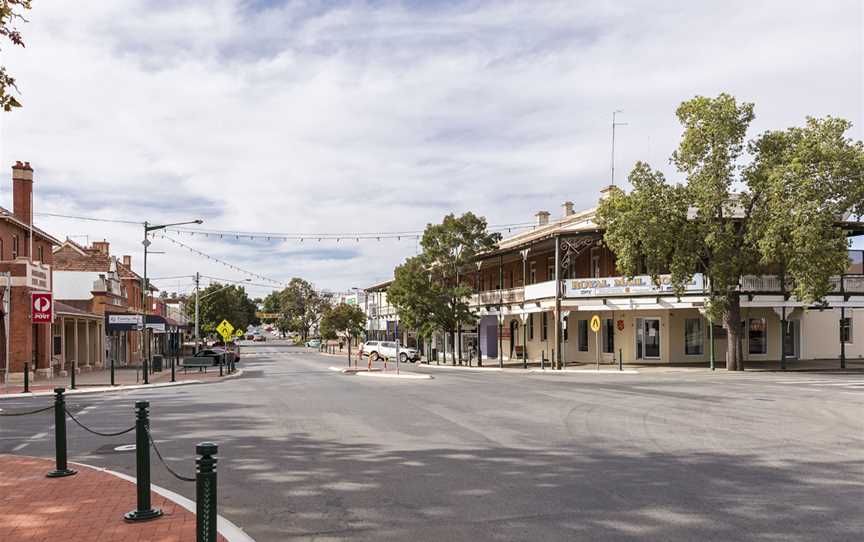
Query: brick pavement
{"x":86,"y":507}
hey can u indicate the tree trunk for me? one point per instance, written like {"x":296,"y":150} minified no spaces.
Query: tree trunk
{"x":732,"y":324}
{"x":453,"y":347}
{"x":459,"y":341}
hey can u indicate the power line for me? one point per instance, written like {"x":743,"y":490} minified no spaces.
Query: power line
{"x":217,"y":260}
{"x":90,"y":218}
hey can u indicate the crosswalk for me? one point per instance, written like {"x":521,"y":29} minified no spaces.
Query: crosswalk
{"x":844,"y":382}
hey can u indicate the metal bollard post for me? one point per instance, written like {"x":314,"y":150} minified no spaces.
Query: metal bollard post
{"x":62,"y":469}
{"x":173,"y":364}
{"x":221,"y":363}
{"x":205,"y":492}
{"x":26,"y":377}
{"x":620,"y":360}
{"x":145,"y":371}
{"x":142,"y":466}
{"x":542,"y":360}
{"x":112,"y":371}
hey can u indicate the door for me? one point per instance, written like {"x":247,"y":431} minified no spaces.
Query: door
{"x":791,"y":338}
{"x":647,"y":338}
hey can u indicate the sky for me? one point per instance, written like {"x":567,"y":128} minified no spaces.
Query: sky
{"x":377,"y":116}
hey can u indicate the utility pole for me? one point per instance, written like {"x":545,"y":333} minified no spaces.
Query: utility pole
{"x":145,"y":344}
{"x":614,"y":124}
{"x":197,"y":284}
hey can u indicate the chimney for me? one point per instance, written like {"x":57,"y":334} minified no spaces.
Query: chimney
{"x":101,"y":246}
{"x":127,"y":261}
{"x":542,"y":218}
{"x":606,"y":191}
{"x":22,"y":191}
{"x":567,"y":207}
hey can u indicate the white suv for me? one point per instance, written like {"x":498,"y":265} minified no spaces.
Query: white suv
{"x":387,"y":349}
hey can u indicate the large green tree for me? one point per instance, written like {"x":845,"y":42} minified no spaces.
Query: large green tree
{"x":429,"y":287}
{"x":300,"y":305}
{"x":778,"y":212}
{"x":219,"y":302}
{"x":343,"y":320}
{"x":11,"y":13}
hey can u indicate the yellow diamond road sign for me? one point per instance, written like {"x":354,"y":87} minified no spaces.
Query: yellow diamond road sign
{"x":225,"y":329}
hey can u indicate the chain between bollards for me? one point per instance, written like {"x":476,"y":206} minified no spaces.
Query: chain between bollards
{"x":62,"y":468}
{"x":142,"y":466}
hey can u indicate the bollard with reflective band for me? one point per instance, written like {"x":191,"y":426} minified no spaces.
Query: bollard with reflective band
{"x":26,"y":377}
{"x":205,"y":492}
{"x":62,"y":469}
{"x":142,"y":466}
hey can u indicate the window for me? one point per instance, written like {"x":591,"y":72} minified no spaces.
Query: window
{"x":564,"y":325}
{"x":583,"y":335}
{"x":550,"y":268}
{"x":532,"y":272}
{"x":40,"y":251}
{"x":608,"y":336}
{"x":531,"y":327}
{"x":595,"y":262}
{"x":693,"y":337}
{"x":758,"y":336}
{"x":14,"y":246}
{"x":846,"y":329}
{"x":544,"y":334}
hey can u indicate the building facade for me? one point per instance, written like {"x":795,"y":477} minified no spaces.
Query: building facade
{"x":25,"y":268}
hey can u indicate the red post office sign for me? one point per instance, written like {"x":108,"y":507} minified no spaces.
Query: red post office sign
{"x":42,"y":308}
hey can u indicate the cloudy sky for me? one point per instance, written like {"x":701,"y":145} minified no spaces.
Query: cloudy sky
{"x":308,"y":117}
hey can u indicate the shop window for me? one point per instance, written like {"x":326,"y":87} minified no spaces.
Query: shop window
{"x":757,"y":333}
{"x":544,"y":332}
{"x":693,"y":337}
{"x":583,"y":335}
{"x":531,"y":327}
{"x":608,"y":336}
{"x":846,"y":330}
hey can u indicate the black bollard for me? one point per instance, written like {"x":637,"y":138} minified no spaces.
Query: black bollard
{"x":173,"y":364}
{"x":142,"y":466}
{"x":26,"y":377}
{"x":205,"y":492}
{"x":221,"y":363}
{"x":112,"y":371}
{"x":62,"y":469}
{"x":145,"y":371}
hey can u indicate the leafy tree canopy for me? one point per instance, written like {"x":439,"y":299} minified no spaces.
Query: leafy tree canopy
{"x":219,"y":302}
{"x":342,"y":320}
{"x":11,"y":13}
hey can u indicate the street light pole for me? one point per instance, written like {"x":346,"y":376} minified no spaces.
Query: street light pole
{"x":197,"y":329}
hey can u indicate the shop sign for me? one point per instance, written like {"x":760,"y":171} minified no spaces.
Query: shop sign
{"x":156,"y":327}
{"x":641,"y":284}
{"x":42,"y":307}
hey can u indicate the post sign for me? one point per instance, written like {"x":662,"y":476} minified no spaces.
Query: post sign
{"x":42,"y":308}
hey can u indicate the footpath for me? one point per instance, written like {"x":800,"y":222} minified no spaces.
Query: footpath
{"x":87,"y":507}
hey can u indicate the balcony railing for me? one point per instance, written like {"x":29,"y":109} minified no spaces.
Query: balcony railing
{"x":493,"y":297}
{"x":853,"y":284}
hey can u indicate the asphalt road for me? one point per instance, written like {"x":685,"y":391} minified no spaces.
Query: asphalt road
{"x":307,"y":453}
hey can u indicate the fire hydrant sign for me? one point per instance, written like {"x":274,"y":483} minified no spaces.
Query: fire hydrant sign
{"x":42,"y":308}
{"x":225,"y":329}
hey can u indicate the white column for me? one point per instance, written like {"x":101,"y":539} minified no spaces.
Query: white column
{"x":88,"y":362}
{"x":75,"y":361}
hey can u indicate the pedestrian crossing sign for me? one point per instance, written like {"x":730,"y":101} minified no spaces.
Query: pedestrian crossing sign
{"x":225,"y":329}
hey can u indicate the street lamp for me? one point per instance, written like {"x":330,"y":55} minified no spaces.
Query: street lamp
{"x":144,"y":287}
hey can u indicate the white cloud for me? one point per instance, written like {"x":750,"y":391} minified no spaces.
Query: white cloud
{"x":309,"y":117}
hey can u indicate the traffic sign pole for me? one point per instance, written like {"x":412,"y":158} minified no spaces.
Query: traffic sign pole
{"x":595,"y":327}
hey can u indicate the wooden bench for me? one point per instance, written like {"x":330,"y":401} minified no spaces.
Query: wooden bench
{"x":197,"y":362}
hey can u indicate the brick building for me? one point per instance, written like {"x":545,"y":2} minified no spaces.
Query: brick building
{"x":25,"y":268}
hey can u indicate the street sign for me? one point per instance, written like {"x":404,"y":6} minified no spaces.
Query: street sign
{"x":595,"y":323}
{"x":595,"y":327}
{"x":239,"y":333}
{"x":42,"y":308}
{"x":225,"y":329}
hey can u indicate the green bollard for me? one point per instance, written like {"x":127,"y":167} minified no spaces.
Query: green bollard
{"x":62,"y":469}
{"x":142,"y":466}
{"x":26,"y":377}
{"x":205,"y":492}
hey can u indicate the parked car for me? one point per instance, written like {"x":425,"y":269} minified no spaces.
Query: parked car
{"x":259,"y":338}
{"x":387,"y":349}
{"x":250,"y":337}
{"x":313,"y":343}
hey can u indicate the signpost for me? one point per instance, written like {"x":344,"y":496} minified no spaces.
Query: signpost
{"x":42,"y":308}
{"x":595,"y":327}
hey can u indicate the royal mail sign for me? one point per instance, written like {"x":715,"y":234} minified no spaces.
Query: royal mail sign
{"x":638,"y":285}
{"x":42,"y":308}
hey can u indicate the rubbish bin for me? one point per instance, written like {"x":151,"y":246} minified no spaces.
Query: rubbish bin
{"x":157,"y":364}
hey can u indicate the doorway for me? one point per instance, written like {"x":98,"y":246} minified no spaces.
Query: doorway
{"x":647,"y":338}
{"x":792,"y":339}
